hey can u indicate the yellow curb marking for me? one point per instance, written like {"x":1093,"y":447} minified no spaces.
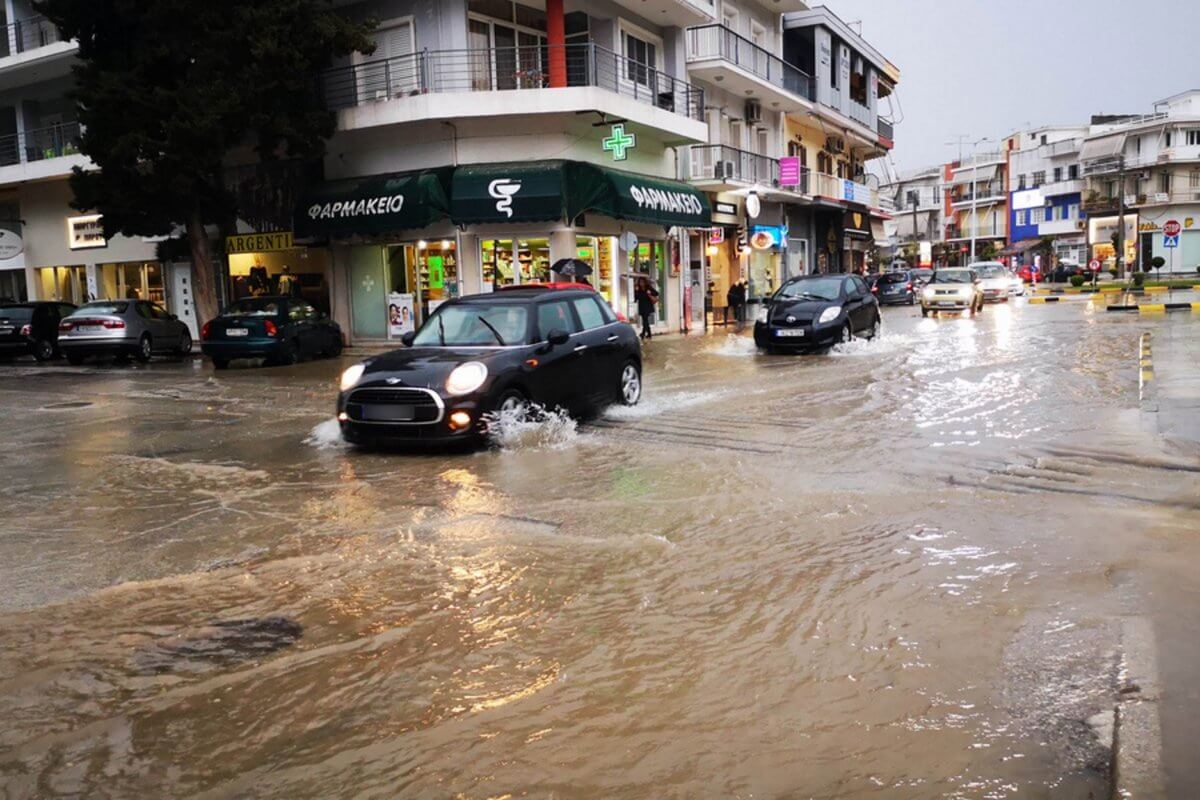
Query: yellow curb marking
{"x":1152,"y":289}
{"x":1152,"y":308}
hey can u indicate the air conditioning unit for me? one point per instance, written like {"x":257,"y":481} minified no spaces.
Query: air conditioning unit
{"x":723,"y":170}
{"x":835,"y":144}
{"x":753,"y":112}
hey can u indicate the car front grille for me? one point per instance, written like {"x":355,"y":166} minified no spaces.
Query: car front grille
{"x":388,"y":405}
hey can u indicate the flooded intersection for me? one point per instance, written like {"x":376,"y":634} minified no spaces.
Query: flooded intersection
{"x":902,"y":569}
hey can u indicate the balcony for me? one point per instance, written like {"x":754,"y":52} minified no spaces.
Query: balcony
{"x":886,"y":129}
{"x":1061,"y":227}
{"x":513,"y":82}
{"x":1059,"y":188}
{"x":982,"y":231}
{"x":40,"y":153}
{"x":33,"y":42}
{"x":1064,"y":148}
{"x":678,"y":13}
{"x":718,"y":55}
{"x":843,"y":190}
{"x":719,"y":167}
{"x":1189,"y":195}
{"x":25,"y":35}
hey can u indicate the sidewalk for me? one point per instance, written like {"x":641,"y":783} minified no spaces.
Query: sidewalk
{"x":1176,"y":349}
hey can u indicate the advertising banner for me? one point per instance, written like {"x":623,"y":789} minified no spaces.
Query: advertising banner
{"x":400,"y":315}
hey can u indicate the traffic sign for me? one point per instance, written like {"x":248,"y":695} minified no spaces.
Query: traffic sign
{"x":1171,"y":231}
{"x":1095,"y":265}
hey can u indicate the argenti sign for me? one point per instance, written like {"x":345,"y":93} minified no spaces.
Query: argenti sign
{"x":271,"y":241}
{"x":351,"y":209}
{"x":663,"y":200}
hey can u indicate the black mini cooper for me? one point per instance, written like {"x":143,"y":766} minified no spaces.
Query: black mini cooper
{"x":494,"y":353}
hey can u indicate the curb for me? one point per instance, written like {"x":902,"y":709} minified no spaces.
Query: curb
{"x":1156,"y":308}
{"x":1039,"y":300}
{"x":1137,"y":731}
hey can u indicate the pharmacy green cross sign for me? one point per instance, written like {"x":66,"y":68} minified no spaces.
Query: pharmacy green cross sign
{"x":619,"y":143}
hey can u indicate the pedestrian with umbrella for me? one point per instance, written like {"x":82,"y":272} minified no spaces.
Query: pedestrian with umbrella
{"x":647,"y":298}
{"x":574,"y":269}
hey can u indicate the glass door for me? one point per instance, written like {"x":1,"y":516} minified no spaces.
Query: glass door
{"x":479,"y":40}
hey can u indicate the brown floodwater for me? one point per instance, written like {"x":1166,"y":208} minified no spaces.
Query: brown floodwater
{"x":897,"y":570}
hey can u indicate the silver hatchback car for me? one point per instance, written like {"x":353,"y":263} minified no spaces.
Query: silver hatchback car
{"x":122,"y":328}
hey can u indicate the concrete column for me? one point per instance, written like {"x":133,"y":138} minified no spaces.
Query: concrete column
{"x":562,"y":245}
{"x":556,"y":38}
{"x":470,"y":265}
{"x":10,"y":14}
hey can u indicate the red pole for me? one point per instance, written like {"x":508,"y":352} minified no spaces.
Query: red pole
{"x":556,"y":36}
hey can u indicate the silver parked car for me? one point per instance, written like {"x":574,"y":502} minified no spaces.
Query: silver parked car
{"x":122,"y":328}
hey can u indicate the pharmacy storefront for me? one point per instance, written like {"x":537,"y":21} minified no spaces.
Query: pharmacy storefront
{"x":414,"y":240}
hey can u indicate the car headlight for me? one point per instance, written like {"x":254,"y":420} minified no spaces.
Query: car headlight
{"x":466,"y":378}
{"x":352,"y":376}
{"x":763,"y":314}
{"x":928,"y":293}
{"x":829,"y":314}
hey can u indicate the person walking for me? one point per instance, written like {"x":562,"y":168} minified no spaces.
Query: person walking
{"x":647,"y":298}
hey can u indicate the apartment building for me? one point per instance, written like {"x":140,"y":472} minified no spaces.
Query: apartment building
{"x":977,"y":221}
{"x":47,"y":249}
{"x":1150,"y":164}
{"x":919,"y":198}
{"x":1046,"y":197}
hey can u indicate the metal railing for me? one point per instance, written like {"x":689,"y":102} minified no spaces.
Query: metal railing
{"x":717,"y":41}
{"x":721,"y":163}
{"x":985,"y":193}
{"x":886,"y":128}
{"x":860,"y":113}
{"x":507,"y":69}
{"x":977,"y":231}
{"x":28,"y":34}
{"x":39,"y":144}
{"x":979,"y":158}
{"x":824,"y":185}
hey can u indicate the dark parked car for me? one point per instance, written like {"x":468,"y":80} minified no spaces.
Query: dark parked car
{"x":492,"y":353}
{"x":281,"y":330}
{"x":31,"y":329}
{"x":893,"y":288}
{"x":122,"y":328}
{"x":817,"y":311}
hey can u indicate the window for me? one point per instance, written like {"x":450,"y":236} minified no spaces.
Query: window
{"x":1039,"y":178}
{"x":1193,"y":137}
{"x":1037,"y":216}
{"x":1022,"y":217}
{"x":555,"y":315}
{"x":640,"y":60}
{"x":1164,"y":182}
{"x":730,"y":17}
{"x":1194,"y":180}
{"x":1073,"y":211}
{"x":1167,"y":139}
{"x":1043,"y":138}
{"x":1057,"y":174}
{"x":1073,"y":172}
{"x":1020,"y":183}
{"x":589,"y":312}
{"x":158,"y":312}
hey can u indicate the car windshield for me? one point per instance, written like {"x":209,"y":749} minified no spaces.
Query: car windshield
{"x":952,"y":276}
{"x":894,"y":277}
{"x":991,"y":271}
{"x":922,"y":274}
{"x":101,"y":308}
{"x":475,"y":325}
{"x":811,"y":289}
{"x":16,"y":313}
{"x":253,"y":307}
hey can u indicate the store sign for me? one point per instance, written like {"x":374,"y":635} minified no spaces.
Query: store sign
{"x":11,"y":245}
{"x":729,"y":209}
{"x":854,"y":192}
{"x":85,"y":232}
{"x":352,"y":209}
{"x":271,"y":242}
{"x":765,"y":237}
{"x":789,"y":171}
{"x":619,"y":143}
{"x":1033,"y":198}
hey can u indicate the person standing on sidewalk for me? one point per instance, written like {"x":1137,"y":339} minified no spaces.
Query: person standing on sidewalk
{"x":647,"y":298}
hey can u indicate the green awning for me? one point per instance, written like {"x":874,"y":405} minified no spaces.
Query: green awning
{"x":381,"y":204}
{"x":541,"y":191}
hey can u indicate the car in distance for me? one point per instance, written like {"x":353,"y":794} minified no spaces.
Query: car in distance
{"x":279,"y":329}
{"x":31,"y":329}
{"x":122,"y":328}
{"x":485,"y":355}
{"x":893,"y":288}
{"x":921,"y":276}
{"x":817,"y":311}
{"x":952,"y":289}
{"x":994,"y":281}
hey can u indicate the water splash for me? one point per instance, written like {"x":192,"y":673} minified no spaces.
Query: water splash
{"x":662,"y":404}
{"x":326,"y":435}
{"x":885,"y":344}
{"x":733,"y":346}
{"x":535,"y":428}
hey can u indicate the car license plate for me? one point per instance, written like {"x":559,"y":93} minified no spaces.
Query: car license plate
{"x":794,"y":333}
{"x":947,"y":303}
{"x":237,"y":331}
{"x":91,"y":329}
{"x":389,"y":413}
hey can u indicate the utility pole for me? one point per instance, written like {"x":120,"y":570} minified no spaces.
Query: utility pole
{"x":975,"y":193}
{"x":1121,"y":215}
{"x":914,"y":198}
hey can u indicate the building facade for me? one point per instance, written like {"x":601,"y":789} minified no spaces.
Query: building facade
{"x":919,"y":197}
{"x":977,"y":223}
{"x":1046,"y":197}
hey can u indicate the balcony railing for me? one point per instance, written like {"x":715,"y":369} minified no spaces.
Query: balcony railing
{"x":979,"y":158}
{"x":986,"y":194}
{"x":886,"y":129}
{"x":507,"y":69}
{"x":860,"y":113}
{"x":39,"y":144}
{"x":975,"y":231}
{"x":706,"y":42}
{"x":824,"y":185}
{"x":718,"y":163}
{"x":28,"y":34}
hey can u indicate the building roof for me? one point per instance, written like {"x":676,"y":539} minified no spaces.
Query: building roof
{"x":820,"y":15}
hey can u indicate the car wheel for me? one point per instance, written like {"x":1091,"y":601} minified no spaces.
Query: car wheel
{"x":43,"y":350}
{"x":335,"y":348}
{"x":185,"y":345}
{"x":220,"y":363}
{"x":145,"y":348}
{"x":847,"y":334}
{"x":75,"y":359}
{"x":631,"y":384}
{"x":877,"y":328}
{"x":289,"y":354}
{"x":513,"y":403}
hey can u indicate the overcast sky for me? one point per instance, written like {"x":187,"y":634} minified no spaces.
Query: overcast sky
{"x":990,"y":67}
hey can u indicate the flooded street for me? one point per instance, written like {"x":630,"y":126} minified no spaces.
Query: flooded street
{"x":903,"y":569}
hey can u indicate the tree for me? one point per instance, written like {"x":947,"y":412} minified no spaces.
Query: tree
{"x":985,"y":251}
{"x":169,"y":90}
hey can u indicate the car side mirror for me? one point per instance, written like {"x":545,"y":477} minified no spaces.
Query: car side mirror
{"x":173,"y":318}
{"x":558,"y":337}
{"x":408,"y":338}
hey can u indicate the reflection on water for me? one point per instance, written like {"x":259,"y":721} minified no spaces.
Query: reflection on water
{"x":872,"y":573}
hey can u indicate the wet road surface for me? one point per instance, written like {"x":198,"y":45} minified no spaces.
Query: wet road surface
{"x":897,"y":570}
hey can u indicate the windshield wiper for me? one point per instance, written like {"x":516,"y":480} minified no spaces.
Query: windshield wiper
{"x":807,"y":295}
{"x":495,"y":332}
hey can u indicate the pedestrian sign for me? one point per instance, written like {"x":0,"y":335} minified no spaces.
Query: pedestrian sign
{"x":1170,"y":241}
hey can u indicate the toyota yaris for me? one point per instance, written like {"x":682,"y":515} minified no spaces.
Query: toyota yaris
{"x":817,"y":311}
{"x":489,"y":354}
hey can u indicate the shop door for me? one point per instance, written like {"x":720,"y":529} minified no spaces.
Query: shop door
{"x":368,"y":293}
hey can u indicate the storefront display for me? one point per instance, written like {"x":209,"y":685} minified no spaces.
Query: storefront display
{"x":68,"y":284}
{"x":132,"y":280}
{"x":296,"y":271}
